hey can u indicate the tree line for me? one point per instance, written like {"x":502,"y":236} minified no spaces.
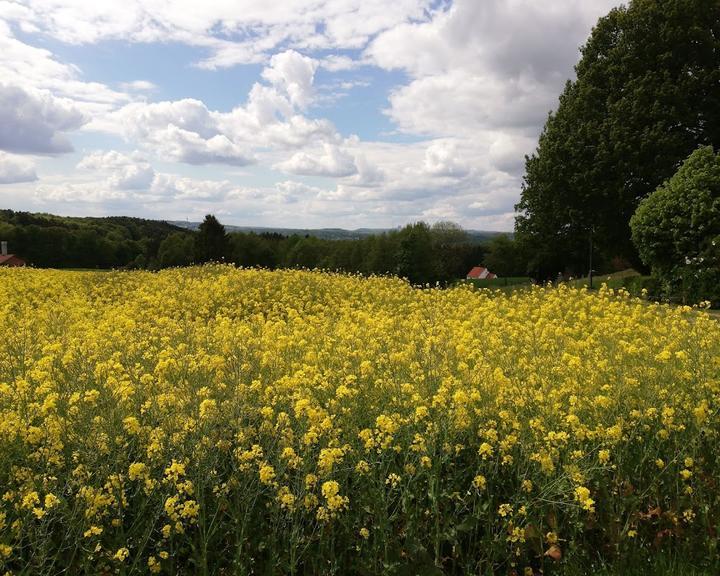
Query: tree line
{"x":423,"y":253}
{"x":49,"y":241}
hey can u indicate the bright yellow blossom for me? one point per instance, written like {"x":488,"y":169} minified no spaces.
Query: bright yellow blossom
{"x":242,"y":407}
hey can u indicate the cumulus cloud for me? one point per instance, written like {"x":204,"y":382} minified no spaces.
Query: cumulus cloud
{"x":449,"y":178}
{"x":15,"y":169}
{"x":188,"y":131}
{"x":232,"y":35}
{"x":272,"y":115}
{"x":181,"y":131}
{"x":41,"y":98}
{"x":182,"y":188}
{"x":82,"y":192}
{"x":368,"y":174}
{"x":123,"y":172}
{"x":117,"y":176}
{"x":292,"y":73}
{"x":332,"y":161}
{"x":181,"y":145}
{"x":34,"y":122}
{"x":506,"y":152}
{"x":442,"y":159}
{"x":163,"y":188}
{"x":33,"y":68}
{"x":458,"y":103}
{"x":293,"y":188}
{"x":484,"y":65}
{"x":140,"y":120}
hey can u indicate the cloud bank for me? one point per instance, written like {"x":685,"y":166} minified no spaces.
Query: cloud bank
{"x":449,"y":97}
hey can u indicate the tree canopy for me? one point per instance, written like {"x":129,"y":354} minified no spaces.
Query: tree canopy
{"x":645,"y":96}
{"x":49,"y":241}
{"x":443,"y":252}
{"x":211,"y":242}
{"x":677,"y":229}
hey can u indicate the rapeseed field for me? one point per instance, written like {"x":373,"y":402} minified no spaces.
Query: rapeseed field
{"x":213,"y":420}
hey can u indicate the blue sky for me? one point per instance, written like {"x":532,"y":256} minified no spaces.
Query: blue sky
{"x":293,"y":113}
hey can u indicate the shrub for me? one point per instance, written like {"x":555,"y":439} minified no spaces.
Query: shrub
{"x":677,"y":230}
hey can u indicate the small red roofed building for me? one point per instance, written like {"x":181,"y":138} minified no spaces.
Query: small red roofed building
{"x":9,"y":259}
{"x":480,"y":273}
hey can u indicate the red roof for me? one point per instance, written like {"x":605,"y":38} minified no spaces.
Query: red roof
{"x":11,"y":260}
{"x":480,"y":273}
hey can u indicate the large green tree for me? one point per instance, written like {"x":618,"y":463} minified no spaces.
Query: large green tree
{"x":646,"y":94}
{"x":211,"y":242}
{"x":416,"y":258}
{"x":176,"y":249}
{"x":504,"y":257}
{"x":450,"y":244}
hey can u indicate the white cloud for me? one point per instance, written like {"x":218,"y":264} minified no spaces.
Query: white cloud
{"x":123,"y":172}
{"x":484,"y":65}
{"x":458,"y":103}
{"x":180,"y":145}
{"x":233,"y":33}
{"x":293,"y":74}
{"x":293,"y":188}
{"x":37,"y":68}
{"x":113,"y":176}
{"x":182,"y":188}
{"x":81,"y":192}
{"x":41,"y":98}
{"x":338,"y":63}
{"x":133,"y":177}
{"x":15,"y":169}
{"x":450,"y":178}
{"x":481,"y":78}
{"x":291,"y":192}
{"x":187,"y":131}
{"x":140,"y":120}
{"x":107,"y":161}
{"x":507,"y":152}
{"x":442,"y":159}
{"x":332,"y":161}
{"x":33,"y":122}
{"x":138,"y":86}
{"x":368,"y":174}
{"x":180,"y":131}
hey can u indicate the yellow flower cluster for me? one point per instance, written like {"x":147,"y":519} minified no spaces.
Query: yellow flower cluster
{"x":163,"y":419}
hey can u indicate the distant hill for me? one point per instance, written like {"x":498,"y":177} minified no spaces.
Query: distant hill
{"x":46,"y":240}
{"x":476,"y":236}
{"x":136,"y":227}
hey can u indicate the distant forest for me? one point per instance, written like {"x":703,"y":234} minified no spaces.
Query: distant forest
{"x":420,"y":252}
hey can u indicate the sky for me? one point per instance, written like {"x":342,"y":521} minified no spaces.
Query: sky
{"x":287,"y":113}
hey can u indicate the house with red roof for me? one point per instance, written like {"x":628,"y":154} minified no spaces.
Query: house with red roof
{"x":9,"y":259}
{"x":480,"y":273}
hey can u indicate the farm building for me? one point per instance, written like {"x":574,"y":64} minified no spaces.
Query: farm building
{"x":480,"y":273}
{"x":9,"y":259}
